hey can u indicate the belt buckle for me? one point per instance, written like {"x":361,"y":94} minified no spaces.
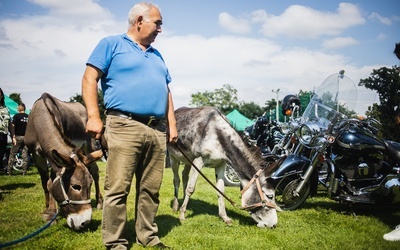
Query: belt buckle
{"x":151,"y":119}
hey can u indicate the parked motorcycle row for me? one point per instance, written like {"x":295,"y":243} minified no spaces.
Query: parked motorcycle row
{"x":327,"y":147}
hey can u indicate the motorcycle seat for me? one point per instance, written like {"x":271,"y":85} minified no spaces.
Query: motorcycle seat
{"x":393,"y":150}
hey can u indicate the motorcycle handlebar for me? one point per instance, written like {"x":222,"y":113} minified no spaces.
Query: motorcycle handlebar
{"x":365,"y":124}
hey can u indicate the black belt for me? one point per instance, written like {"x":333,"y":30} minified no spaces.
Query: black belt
{"x":149,"y":121}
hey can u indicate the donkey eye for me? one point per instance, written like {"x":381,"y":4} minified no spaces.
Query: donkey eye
{"x":270,"y":196}
{"x":76,"y":187}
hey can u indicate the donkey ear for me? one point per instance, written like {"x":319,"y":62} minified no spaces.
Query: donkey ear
{"x":62,"y":160}
{"x":94,"y":156}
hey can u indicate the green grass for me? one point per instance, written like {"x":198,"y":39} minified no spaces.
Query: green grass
{"x":319,"y":224}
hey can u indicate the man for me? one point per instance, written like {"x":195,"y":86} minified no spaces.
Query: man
{"x":5,"y":127}
{"x":395,"y":234}
{"x":18,"y":127}
{"x":134,"y":81}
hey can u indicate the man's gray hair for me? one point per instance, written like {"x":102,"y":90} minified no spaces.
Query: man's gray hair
{"x":140,"y":9}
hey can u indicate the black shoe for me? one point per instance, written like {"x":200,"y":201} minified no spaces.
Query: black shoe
{"x":161,"y":246}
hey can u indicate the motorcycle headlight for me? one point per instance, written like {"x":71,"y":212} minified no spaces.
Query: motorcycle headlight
{"x":290,"y":127}
{"x":320,"y":143}
{"x":285,"y":128}
{"x":294,"y":126}
{"x":308,"y":132}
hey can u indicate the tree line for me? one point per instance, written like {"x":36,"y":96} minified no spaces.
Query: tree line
{"x":385,"y":81}
{"x":226,"y":100}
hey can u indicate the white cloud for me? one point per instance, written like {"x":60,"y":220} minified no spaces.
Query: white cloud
{"x":234,"y":25}
{"x":339,"y":42}
{"x":48,"y":54}
{"x":75,"y":10}
{"x":254,"y":70}
{"x":375,"y":16}
{"x":259,"y":16}
{"x":381,"y":37}
{"x":303,"y":22}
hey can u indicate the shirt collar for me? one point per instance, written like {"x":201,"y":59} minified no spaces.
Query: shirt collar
{"x":149,"y":49}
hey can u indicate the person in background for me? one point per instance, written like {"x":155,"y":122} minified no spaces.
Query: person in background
{"x":5,"y":124}
{"x":18,"y":127}
{"x":134,"y":81}
{"x":395,"y":234}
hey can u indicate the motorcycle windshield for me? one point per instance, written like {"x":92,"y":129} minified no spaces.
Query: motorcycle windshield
{"x":334,"y":100}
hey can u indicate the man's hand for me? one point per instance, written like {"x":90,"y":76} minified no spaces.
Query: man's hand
{"x":94,"y":127}
{"x":173,"y":134}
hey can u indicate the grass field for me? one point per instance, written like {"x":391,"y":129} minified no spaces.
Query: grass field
{"x":319,"y":224}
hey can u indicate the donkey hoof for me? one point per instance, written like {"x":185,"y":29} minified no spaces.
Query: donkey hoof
{"x":229,"y":222}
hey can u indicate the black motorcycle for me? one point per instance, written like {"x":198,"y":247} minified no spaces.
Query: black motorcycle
{"x":272,"y":136}
{"x":263,"y":134}
{"x":341,"y":153}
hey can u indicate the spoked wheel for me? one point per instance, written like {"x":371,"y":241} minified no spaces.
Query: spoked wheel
{"x":230,"y":177}
{"x":285,"y":196}
{"x":18,"y":162}
{"x":18,"y":165}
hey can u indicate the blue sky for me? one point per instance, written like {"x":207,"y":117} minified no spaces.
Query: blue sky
{"x":255,"y":46}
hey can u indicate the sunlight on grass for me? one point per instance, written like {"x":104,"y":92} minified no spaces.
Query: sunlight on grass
{"x":319,"y":224}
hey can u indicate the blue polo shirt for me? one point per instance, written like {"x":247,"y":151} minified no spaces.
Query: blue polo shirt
{"x":133,"y":80}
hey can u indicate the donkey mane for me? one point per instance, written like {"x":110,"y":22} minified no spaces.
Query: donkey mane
{"x":253,"y":151}
{"x":56,"y":117}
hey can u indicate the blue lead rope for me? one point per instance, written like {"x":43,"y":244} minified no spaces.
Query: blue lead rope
{"x":7,"y":244}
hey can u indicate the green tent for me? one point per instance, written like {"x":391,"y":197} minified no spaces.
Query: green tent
{"x":239,"y":121}
{"x":12,"y":105}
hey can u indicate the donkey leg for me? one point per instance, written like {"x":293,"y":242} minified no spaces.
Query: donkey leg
{"x":41,"y":164}
{"x":44,"y":177}
{"x":94,"y":171}
{"x":219,"y":173}
{"x":174,"y":163}
{"x":185,"y":176}
{"x":191,"y":185}
{"x":52,"y":208}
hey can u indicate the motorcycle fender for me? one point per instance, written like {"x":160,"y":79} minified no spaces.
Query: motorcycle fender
{"x":293,"y":164}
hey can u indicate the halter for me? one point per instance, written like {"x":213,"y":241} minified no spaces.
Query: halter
{"x":66,"y":198}
{"x":263,"y":203}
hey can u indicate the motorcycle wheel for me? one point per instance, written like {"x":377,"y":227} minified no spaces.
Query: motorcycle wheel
{"x":284,"y":193}
{"x":18,"y":164}
{"x":230,"y":177}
